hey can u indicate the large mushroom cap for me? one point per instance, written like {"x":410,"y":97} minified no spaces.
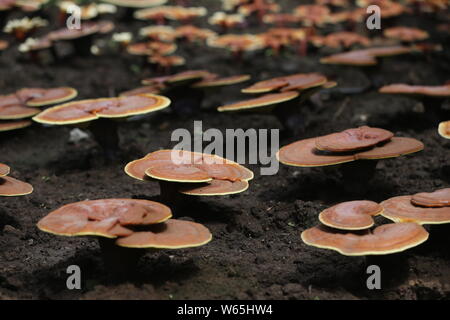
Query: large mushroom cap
{"x":444,"y":129}
{"x":304,"y":153}
{"x":14,"y":125}
{"x":385,"y":239}
{"x":172,"y":234}
{"x":438,"y":198}
{"x":432,"y":91}
{"x":353,"y":139}
{"x":263,"y":101}
{"x":4,"y":170}
{"x":106,"y":217}
{"x":12,"y":187}
{"x":207,"y":167}
{"x":401,"y":209}
{"x":351,"y":215}
{"x":88,"y":110}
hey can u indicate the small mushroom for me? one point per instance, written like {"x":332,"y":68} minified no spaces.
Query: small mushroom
{"x":444,"y":129}
{"x":192,"y":33}
{"x":10,"y":187}
{"x":81,"y":38}
{"x":104,"y":111}
{"x":226,"y":21}
{"x":405,"y":34}
{"x":237,"y":43}
{"x":438,"y":198}
{"x":431,"y":208}
{"x":22,"y":28}
{"x":312,"y":14}
{"x":289,"y":88}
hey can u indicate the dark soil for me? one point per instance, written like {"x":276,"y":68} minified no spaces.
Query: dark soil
{"x":256,"y":252}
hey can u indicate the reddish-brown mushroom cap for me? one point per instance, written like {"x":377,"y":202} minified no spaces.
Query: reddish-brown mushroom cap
{"x":405,"y":34}
{"x":12,"y":187}
{"x":401,"y":209}
{"x":14,"y":125}
{"x":217,"y":82}
{"x":152,"y":89}
{"x":4,"y":170}
{"x":356,"y":57}
{"x":65,"y":34}
{"x":263,"y":101}
{"x":438,"y":198}
{"x":178,"y":173}
{"x":444,"y":129}
{"x":353,"y":139}
{"x":432,"y":91}
{"x":215,"y":167}
{"x":37,"y":97}
{"x":3,"y":45}
{"x":215,"y":188}
{"x":16,"y":111}
{"x":88,"y":110}
{"x":351,"y":215}
{"x":301,"y":81}
{"x":172,"y":234}
{"x":304,"y":153}
{"x":385,"y":239}
{"x":107,"y":217}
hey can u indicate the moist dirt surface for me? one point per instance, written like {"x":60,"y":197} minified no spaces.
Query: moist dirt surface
{"x":256,"y":251}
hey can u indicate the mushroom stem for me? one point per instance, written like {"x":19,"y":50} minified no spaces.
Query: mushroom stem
{"x":186,"y":102}
{"x":357,"y":174}
{"x":170,"y":195}
{"x":289,"y":115}
{"x":106,"y":134}
{"x":119,"y":262}
{"x":83,"y":46}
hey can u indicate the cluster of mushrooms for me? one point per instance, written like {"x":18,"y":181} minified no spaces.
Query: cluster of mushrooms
{"x":122,"y":225}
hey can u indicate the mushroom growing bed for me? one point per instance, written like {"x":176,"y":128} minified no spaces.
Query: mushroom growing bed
{"x":256,"y":251}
